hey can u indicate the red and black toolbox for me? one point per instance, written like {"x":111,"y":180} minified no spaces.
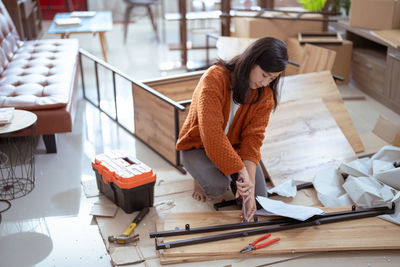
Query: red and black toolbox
{"x":126,"y":181}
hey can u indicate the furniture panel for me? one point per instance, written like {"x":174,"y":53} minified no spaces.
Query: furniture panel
{"x":369,"y":69}
{"x":375,"y":66}
{"x":178,"y":88}
{"x":154,"y":123}
{"x":393,"y":76}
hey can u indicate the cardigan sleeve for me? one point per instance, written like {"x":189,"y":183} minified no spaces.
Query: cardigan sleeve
{"x":252,"y":135}
{"x":211,"y":122}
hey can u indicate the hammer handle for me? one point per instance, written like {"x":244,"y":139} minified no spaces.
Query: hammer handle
{"x":136,"y":221}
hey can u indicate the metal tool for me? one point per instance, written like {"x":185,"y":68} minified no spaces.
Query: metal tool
{"x":125,"y":237}
{"x":240,"y":180}
{"x":253,"y":246}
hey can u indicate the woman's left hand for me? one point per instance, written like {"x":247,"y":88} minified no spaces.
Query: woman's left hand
{"x":244,"y":184}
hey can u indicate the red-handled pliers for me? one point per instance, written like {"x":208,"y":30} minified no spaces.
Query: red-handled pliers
{"x":253,"y":246}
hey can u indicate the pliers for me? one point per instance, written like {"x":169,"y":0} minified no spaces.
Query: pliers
{"x":253,"y":246}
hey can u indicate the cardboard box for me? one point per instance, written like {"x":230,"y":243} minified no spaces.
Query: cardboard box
{"x":277,"y":28}
{"x":342,"y":64}
{"x":375,"y":14}
{"x":384,"y":133}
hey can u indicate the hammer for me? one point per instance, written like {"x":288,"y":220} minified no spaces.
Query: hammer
{"x":125,"y":237}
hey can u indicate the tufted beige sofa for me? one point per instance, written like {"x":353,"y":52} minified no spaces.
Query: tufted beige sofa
{"x":40,"y":76}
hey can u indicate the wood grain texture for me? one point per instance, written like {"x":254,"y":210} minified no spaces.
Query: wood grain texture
{"x":362,"y":234}
{"x":154,"y":122}
{"x":322,"y":85}
{"x":177,"y":88}
{"x":302,"y":138}
{"x":391,"y":37}
{"x":316,"y":59}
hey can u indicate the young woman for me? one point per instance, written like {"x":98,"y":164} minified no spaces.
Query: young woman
{"x":224,"y":130}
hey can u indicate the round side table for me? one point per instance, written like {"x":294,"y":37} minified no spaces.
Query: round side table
{"x":17,"y":162}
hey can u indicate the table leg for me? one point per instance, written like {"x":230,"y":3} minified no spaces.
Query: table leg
{"x":65,"y":35}
{"x":102,"y":37}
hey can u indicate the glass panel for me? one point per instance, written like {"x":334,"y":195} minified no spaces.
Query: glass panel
{"x":125,"y":102}
{"x":106,"y":90}
{"x":89,"y":79}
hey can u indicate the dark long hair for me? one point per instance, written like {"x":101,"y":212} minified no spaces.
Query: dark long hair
{"x":268,"y":53}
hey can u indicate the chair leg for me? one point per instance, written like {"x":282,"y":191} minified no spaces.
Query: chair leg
{"x":126,"y":21}
{"x":150,"y":12}
{"x":50,"y":143}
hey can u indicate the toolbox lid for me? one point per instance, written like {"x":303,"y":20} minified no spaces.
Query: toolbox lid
{"x":122,"y":169}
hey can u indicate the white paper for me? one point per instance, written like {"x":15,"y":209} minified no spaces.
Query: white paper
{"x":357,"y":168}
{"x":286,"y":189}
{"x":328,"y":183}
{"x":387,"y":153}
{"x":297,"y":212}
{"x":371,"y":182}
{"x":394,"y":218}
{"x":384,"y":169}
{"x":390,"y":177}
{"x":379,"y":166}
{"x":368,"y":192}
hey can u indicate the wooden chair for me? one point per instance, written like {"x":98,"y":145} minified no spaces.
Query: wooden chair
{"x":130,"y":4}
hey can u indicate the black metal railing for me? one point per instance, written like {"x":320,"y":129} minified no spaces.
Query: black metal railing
{"x":114,"y":114}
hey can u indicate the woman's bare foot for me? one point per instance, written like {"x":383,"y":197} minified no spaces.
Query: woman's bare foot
{"x":198,"y":192}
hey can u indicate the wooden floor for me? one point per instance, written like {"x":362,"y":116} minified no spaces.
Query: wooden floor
{"x":142,"y":58}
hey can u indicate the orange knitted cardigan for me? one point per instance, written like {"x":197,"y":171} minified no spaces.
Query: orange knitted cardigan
{"x":209,"y":114}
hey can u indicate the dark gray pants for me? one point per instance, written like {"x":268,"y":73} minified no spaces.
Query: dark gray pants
{"x":213,"y":182}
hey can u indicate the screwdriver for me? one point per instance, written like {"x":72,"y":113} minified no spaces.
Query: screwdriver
{"x":240,"y":180}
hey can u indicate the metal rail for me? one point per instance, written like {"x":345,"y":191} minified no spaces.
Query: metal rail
{"x":287,"y":225}
{"x":115,"y":117}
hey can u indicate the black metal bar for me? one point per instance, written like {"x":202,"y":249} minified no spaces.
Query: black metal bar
{"x":278,"y":18}
{"x":207,"y":50}
{"x":143,"y":86}
{"x":293,"y":63}
{"x":82,"y":76}
{"x":97,"y":84}
{"x":224,"y":227}
{"x":208,"y":36}
{"x":115,"y":97}
{"x":319,"y":34}
{"x":289,"y":11}
{"x":185,"y":102}
{"x":176,"y":122}
{"x":338,"y":78}
{"x":274,"y":228}
{"x":321,"y":43}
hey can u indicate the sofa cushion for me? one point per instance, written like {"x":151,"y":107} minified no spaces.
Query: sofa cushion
{"x":39,"y":75}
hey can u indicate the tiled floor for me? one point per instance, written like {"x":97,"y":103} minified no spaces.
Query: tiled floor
{"x":51,"y":226}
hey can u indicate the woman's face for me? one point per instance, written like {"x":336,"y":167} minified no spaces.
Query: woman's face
{"x":259,"y":78}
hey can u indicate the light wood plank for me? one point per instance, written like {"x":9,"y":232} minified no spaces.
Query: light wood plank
{"x":322,"y":85}
{"x":301,"y":138}
{"x":154,"y":122}
{"x":391,"y":37}
{"x":362,"y":234}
